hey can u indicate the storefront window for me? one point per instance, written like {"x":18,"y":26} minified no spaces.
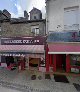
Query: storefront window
{"x":42,"y":62}
{"x":75,"y":60}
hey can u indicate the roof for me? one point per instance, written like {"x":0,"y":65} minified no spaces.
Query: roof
{"x":7,"y":19}
{"x":34,"y":10}
{"x":24,"y":20}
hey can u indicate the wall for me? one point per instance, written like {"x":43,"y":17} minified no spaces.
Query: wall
{"x":21,"y":29}
{"x":37,"y":15}
{"x":55,"y":13}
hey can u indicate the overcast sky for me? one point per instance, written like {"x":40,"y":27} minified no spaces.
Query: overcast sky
{"x":17,"y":7}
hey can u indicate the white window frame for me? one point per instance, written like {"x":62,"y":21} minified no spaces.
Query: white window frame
{"x":36,"y":30}
{"x":74,"y":26}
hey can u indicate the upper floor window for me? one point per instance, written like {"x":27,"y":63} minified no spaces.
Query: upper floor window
{"x":71,"y":15}
{"x":35,"y":30}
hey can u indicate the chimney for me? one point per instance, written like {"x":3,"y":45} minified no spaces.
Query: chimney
{"x":26,"y":14}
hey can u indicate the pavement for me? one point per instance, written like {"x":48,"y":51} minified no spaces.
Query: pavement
{"x":14,"y":81}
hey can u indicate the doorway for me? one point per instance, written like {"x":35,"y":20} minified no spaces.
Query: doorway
{"x":61,"y":62}
{"x":34,"y":63}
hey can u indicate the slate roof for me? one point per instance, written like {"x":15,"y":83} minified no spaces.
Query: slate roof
{"x":34,"y":9}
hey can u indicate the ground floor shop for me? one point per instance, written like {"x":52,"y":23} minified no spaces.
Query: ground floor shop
{"x":23,"y":52}
{"x":31,"y":62}
{"x":63,"y":57}
{"x":64,"y":63}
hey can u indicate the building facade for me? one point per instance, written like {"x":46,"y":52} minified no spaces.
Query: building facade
{"x":63,"y":28}
{"x":23,"y":42}
{"x":20,"y":27}
{"x":62,"y":15}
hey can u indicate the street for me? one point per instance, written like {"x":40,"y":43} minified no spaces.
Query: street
{"x":14,"y":81}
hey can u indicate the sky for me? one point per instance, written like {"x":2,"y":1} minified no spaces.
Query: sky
{"x":17,"y":7}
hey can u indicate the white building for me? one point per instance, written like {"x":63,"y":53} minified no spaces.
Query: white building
{"x":63,"y":15}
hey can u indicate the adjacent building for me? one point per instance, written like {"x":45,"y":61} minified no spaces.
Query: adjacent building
{"x":63,"y":29}
{"x":62,"y":15}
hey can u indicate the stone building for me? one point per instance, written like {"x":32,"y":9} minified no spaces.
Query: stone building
{"x":5,"y":17}
{"x":32,"y":47}
{"x":16,"y":27}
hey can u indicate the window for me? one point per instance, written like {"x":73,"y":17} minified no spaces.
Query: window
{"x":71,"y":18}
{"x":35,"y":17}
{"x":75,"y":60}
{"x":35,"y":30}
{"x":75,"y":63}
{"x":79,"y":34}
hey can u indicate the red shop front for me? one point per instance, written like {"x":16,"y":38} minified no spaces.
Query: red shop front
{"x":62,"y":57}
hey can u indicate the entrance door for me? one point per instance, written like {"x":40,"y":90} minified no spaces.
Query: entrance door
{"x":34,"y":63}
{"x":61,"y":62}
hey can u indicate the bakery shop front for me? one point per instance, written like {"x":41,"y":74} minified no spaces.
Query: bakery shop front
{"x":23,"y":52}
{"x":63,"y":52}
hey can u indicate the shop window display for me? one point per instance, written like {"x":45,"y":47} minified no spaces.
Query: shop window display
{"x":42,"y":62}
{"x":75,"y":60}
{"x":75,"y":63}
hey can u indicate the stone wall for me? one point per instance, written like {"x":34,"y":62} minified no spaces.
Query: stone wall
{"x":21,"y":29}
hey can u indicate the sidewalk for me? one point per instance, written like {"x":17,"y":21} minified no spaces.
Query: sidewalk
{"x":46,"y":83}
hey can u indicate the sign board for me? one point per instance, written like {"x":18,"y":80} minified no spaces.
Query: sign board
{"x":37,"y":40}
{"x":18,"y":53}
{"x":64,"y":37}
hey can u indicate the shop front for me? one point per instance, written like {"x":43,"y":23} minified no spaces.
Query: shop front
{"x":63,"y":53}
{"x":23,"y":52}
{"x":64,"y":61}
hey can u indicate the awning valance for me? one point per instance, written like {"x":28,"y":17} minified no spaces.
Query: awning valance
{"x":22,"y":48}
{"x":35,"y":51}
{"x":64,"y":48}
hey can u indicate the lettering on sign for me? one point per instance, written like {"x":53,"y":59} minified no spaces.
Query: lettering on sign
{"x":23,"y":41}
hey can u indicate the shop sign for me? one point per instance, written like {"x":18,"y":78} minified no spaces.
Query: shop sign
{"x":18,"y":53}
{"x":69,"y":36}
{"x":23,"y":41}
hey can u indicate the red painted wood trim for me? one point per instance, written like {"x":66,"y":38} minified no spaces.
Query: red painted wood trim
{"x":54,"y":59}
{"x":50,"y":59}
{"x":68,"y":63}
{"x":47,"y":59}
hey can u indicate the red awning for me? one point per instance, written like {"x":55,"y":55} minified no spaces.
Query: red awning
{"x":22,"y":48}
{"x":65,"y":48}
